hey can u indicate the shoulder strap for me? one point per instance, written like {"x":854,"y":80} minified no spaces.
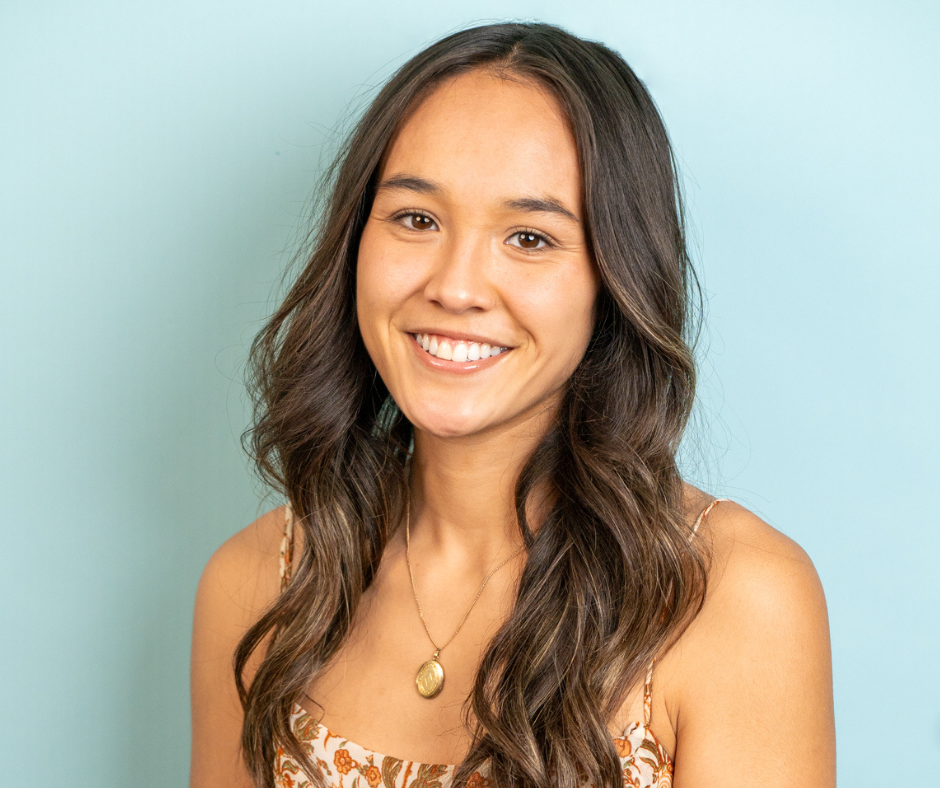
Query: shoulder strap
{"x":705,"y":512}
{"x":287,"y":546}
{"x":648,"y":696}
{"x":648,"y":686}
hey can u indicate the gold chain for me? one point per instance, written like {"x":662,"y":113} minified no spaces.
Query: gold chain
{"x":415,"y":591}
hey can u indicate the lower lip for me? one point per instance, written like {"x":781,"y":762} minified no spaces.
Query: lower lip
{"x":456,"y":367}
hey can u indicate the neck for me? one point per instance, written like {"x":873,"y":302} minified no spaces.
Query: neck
{"x":463,"y":493}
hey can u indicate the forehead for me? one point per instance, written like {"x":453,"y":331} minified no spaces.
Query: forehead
{"x":482,"y":136}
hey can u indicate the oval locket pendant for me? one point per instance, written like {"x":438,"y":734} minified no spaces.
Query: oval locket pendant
{"x":430,"y":678}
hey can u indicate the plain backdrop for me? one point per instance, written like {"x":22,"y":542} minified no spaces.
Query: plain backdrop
{"x":156,"y":161}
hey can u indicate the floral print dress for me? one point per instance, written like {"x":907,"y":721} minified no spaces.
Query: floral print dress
{"x":346,"y":764}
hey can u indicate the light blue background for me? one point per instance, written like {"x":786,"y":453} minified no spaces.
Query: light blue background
{"x":155,"y":160}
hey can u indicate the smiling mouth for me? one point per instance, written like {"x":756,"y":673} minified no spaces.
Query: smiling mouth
{"x":456,"y":349}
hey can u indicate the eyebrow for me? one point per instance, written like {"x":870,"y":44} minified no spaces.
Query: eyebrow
{"x":540,"y":205}
{"x":526,"y":204}
{"x":411,"y":183}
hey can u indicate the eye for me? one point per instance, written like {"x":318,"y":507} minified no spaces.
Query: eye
{"x":415,"y":220}
{"x":530,"y":240}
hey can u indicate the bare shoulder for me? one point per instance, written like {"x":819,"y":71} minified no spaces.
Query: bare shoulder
{"x":759,"y":580}
{"x":751,"y":563}
{"x":754,"y":666}
{"x":238,"y":584}
{"x":755,"y":571}
{"x":244,"y":571}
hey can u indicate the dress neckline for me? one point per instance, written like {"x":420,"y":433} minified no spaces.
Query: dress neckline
{"x":310,"y":730}
{"x":637,"y":736}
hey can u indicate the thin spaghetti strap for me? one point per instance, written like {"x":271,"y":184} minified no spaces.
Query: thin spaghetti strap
{"x":705,"y":512}
{"x":648,"y":687}
{"x":648,"y":696}
{"x":287,"y":546}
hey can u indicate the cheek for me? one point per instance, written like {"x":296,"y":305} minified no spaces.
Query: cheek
{"x":367,"y":267}
{"x":384,"y":276}
{"x":560,"y":310}
{"x":371,"y":308}
{"x":374,"y":277}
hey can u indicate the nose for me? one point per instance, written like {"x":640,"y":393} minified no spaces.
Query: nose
{"x":459,"y":280}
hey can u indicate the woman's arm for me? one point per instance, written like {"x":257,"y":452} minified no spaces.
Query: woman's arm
{"x":754,"y":669}
{"x":239,"y":582}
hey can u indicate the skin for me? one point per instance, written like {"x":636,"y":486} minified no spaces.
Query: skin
{"x":744,"y":697}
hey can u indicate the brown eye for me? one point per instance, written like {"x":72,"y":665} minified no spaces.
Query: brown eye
{"x":418,"y":221}
{"x":530,"y":241}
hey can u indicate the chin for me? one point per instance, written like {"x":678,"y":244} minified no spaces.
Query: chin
{"x":447,"y":428}
{"x":446,"y":423}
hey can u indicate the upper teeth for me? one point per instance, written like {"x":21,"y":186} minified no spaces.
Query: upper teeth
{"x":456,"y":349}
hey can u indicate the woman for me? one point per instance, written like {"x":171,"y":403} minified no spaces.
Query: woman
{"x":472,"y":398}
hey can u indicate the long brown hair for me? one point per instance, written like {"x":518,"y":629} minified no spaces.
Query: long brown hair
{"x":611,"y":576}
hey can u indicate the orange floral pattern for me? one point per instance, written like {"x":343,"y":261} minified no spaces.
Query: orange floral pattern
{"x":287,"y":547}
{"x":644,"y":761}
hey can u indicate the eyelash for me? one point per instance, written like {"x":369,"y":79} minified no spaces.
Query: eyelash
{"x":549,"y":244}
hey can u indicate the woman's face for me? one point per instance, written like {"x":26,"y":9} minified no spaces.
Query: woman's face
{"x":475,"y":287}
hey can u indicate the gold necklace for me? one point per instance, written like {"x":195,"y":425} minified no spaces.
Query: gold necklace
{"x":430,"y":678}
